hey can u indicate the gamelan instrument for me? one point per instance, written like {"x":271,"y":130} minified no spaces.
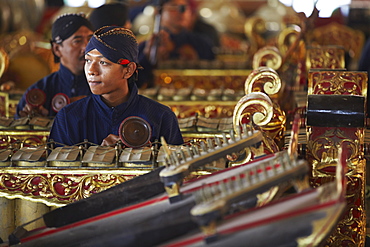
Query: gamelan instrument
{"x":160,"y":218}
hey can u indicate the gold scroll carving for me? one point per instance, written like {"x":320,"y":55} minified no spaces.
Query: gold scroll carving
{"x":272,"y":118}
{"x":337,"y":34}
{"x":20,"y":138}
{"x":337,"y":82}
{"x":322,"y":153}
{"x":325,"y":57}
{"x":268,"y":56}
{"x":57,"y":187}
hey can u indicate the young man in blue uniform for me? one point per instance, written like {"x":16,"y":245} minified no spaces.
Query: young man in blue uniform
{"x":70,"y":35}
{"x":111,"y":70}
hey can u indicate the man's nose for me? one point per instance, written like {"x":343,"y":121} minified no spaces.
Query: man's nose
{"x":91,"y":68}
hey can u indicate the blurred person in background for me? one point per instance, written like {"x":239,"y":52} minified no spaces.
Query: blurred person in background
{"x":176,"y":40}
{"x":70,"y":35}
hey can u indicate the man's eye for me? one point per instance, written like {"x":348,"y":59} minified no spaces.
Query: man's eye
{"x":103,"y":63}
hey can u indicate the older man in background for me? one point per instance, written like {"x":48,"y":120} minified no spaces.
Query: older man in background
{"x":70,"y":35}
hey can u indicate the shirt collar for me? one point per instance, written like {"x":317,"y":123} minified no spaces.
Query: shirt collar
{"x":122,"y":107}
{"x":68,"y":77}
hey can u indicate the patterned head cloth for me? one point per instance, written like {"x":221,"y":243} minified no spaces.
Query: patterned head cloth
{"x":117,"y":44}
{"x":66,"y":25}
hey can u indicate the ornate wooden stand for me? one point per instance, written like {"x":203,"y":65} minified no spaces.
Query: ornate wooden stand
{"x":339,"y":95}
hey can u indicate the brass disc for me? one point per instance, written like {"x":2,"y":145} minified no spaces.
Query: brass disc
{"x":59,"y":101}
{"x":35,"y":97}
{"x":135,"y":132}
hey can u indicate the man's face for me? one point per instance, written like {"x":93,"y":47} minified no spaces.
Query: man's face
{"x":176,"y":15}
{"x":105,"y":77}
{"x":72,"y":50}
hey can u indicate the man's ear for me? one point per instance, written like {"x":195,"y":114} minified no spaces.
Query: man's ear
{"x":56,"y":49}
{"x":131,"y":68}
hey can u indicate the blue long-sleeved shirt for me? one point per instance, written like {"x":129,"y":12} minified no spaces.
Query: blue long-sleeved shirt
{"x":90,"y":118}
{"x":61,"y":81}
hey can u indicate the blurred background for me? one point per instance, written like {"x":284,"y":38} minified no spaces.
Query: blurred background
{"x":25,"y":27}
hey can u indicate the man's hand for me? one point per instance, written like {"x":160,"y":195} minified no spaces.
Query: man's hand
{"x":164,"y":45}
{"x":187,"y":52}
{"x":110,"y":140}
{"x":29,"y":110}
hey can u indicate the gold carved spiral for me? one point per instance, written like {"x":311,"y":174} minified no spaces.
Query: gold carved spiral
{"x":255,"y":107}
{"x":288,"y":37}
{"x":263,"y":79}
{"x":268,"y":56}
{"x":254,"y":27}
